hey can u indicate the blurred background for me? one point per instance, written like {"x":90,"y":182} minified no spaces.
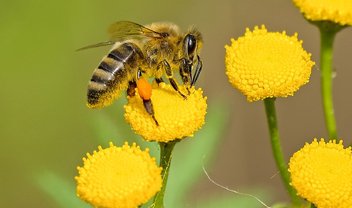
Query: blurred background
{"x":46,"y":128}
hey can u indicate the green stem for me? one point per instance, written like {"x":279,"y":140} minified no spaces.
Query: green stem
{"x":165,"y":162}
{"x":328,"y":31}
{"x":326,"y":42}
{"x":276,"y":148}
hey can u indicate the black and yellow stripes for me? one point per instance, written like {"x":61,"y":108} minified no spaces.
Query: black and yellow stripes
{"x":112,"y":72}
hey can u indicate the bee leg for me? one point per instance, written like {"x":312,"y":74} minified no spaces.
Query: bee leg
{"x":145,"y":92}
{"x":185,"y":71}
{"x":197,"y":71}
{"x":159,"y":80}
{"x":148,"y":105}
{"x":175,"y":86}
{"x":172,"y":81}
{"x":131,"y":90}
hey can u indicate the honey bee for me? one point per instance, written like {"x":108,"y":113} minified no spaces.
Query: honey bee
{"x":138,"y":51}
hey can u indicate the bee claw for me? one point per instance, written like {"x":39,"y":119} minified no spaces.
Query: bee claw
{"x":184,"y":96}
{"x":188,"y":91}
{"x":156,"y":122}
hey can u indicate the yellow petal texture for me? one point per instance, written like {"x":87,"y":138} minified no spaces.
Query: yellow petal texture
{"x":322,"y":173}
{"x":338,"y":11}
{"x":118,"y":177}
{"x":177,"y":117}
{"x":264,"y":64}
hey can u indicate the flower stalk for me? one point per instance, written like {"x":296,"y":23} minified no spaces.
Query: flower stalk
{"x":165,"y":162}
{"x":328,"y":32}
{"x":276,"y":148}
{"x":327,"y":39}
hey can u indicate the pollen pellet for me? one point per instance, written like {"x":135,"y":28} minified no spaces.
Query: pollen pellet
{"x":144,"y":89}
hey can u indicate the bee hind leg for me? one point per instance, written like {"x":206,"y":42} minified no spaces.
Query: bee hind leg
{"x":145,"y":93}
{"x":148,"y":105}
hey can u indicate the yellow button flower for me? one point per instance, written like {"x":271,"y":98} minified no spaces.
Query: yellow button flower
{"x":322,"y":173}
{"x":338,"y":11}
{"x":177,"y":117}
{"x":264,"y":64}
{"x":118,"y":177}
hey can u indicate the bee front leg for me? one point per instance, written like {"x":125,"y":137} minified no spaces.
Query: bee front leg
{"x":197,"y":71}
{"x":185,"y":71}
{"x":169,"y":75}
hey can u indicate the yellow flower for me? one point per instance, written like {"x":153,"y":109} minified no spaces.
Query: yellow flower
{"x":118,"y":177}
{"x":264,"y":64}
{"x":322,"y":173}
{"x":338,"y":11}
{"x":177,"y":117}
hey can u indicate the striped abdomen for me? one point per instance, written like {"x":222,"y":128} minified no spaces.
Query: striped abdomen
{"x":113,"y":74}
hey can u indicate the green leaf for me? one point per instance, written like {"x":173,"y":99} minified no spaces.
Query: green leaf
{"x":61,"y":190}
{"x":191,"y":154}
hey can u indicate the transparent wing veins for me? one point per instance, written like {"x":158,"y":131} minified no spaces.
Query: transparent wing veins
{"x":106,"y":43}
{"x":125,"y":29}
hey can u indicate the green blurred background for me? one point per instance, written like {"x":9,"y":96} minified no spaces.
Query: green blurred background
{"x":46,"y":129}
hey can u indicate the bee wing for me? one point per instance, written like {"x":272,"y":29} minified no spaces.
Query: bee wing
{"x":121,"y":30}
{"x":106,"y":43}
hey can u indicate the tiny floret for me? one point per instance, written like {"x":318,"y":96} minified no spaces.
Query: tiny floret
{"x":264,"y":64}
{"x":338,"y":11}
{"x":177,"y":117}
{"x":118,"y":177}
{"x":321,"y":172}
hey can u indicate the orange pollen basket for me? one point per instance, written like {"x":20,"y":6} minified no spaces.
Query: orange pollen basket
{"x":144,"y":89}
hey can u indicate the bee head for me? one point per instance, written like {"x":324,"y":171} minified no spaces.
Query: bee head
{"x":192,"y":43}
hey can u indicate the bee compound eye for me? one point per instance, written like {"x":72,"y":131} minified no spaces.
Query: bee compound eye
{"x":191,"y":44}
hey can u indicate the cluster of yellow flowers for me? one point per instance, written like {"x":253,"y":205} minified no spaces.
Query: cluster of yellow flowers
{"x":261,"y":65}
{"x":126,"y":176}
